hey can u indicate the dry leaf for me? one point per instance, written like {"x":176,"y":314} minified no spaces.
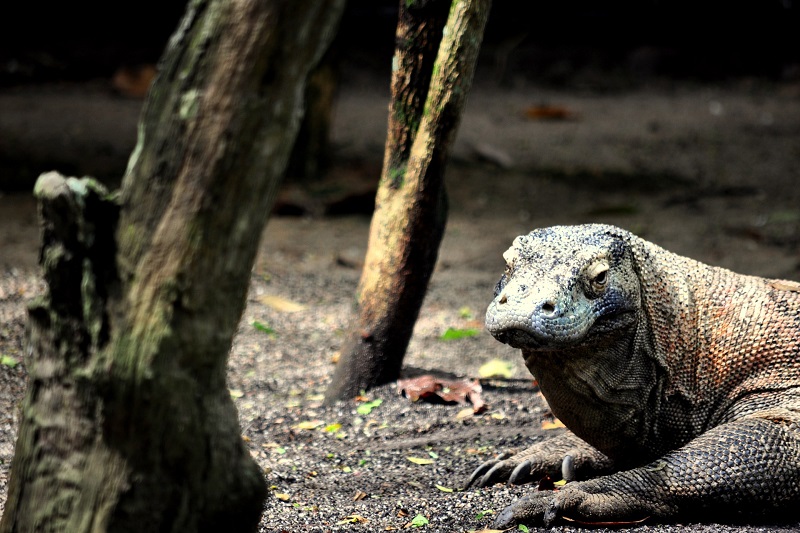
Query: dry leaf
{"x":281,"y":304}
{"x":352,"y":519}
{"x":309,"y":424}
{"x":283,"y":497}
{"x":549,"y":112}
{"x":552,"y":424}
{"x":420,"y":460}
{"x":496,"y":368}
{"x":433,"y":389}
{"x":359,"y":495}
{"x":465,"y":413}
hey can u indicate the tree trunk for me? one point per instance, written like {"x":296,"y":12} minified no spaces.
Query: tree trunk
{"x":411,"y":204}
{"x":127,"y":424}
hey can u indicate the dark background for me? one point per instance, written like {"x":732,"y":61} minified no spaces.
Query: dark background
{"x":550,"y":42}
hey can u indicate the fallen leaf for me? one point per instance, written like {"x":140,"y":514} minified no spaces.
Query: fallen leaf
{"x":491,"y":530}
{"x":333,"y":428}
{"x":552,"y":424}
{"x":278,"y":303}
{"x":283,"y":497}
{"x":352,"y":519}
{"x":260,"y":326}
{"x":366,"y":408}
{"x":548,"y":112}
{"x":309,"y":424}
{"x":419,"y":521}
{"x":433,"y":389}
{"x":443,"y":488}
{"x":7,"y":360}
{"x":465,"y":413}
{"x":496,"y":368}
{"x":420,"y":460}
{"x":236,"y":393}
{"x":359,"y":495}
{"x":452,"y":334}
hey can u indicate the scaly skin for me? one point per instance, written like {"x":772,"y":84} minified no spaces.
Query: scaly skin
{"x":679,"y":382}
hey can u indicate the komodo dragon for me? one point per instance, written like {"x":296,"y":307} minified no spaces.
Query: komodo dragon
{"x":679,"y":382}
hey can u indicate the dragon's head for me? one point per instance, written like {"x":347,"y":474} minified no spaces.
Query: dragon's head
{"x":565,"y":286}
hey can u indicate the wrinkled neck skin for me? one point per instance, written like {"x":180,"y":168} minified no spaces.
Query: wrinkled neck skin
{"x":607,"y":392}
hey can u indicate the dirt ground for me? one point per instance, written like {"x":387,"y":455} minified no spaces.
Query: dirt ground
{"x":707,"y":171}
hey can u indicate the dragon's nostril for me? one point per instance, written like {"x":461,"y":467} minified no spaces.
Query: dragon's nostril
{"x":548,"y":308}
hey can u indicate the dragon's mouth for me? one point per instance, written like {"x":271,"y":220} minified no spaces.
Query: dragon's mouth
{"x":602,"y":329}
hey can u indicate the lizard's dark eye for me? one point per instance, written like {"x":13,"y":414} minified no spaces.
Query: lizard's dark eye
{"x":598,"y":276}
{"x":600,"y":279}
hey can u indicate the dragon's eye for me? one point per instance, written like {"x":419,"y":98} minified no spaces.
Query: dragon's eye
{"x":600,"y":279}
{"x":597,"y":275}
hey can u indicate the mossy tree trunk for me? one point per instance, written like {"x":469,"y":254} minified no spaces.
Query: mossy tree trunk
{"x":127,"y":424}
{"x":411,"y":206}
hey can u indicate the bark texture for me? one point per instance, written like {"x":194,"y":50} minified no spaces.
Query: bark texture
{"x":128,"y":424}
{"x":411,"y":205}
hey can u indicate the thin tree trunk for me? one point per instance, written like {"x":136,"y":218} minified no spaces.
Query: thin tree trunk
{"x":127,"y":424}
{"x":411,"y":204}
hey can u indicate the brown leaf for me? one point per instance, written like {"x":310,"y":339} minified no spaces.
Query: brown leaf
{"x":433,"y":389}
{"x":359,"y":495}
{"x":352,"y":519}
{"x":278,"y":303}
{"x":465,"y":413}
{"x":549,"y":112}
{"x":552,"y":424}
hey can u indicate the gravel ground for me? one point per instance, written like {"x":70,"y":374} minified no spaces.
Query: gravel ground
{"x":708,"y":172}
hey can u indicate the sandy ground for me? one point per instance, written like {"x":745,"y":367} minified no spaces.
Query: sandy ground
{"x":710,"y":172}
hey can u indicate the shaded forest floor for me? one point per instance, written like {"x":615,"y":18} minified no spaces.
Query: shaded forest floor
{"x":706,"y":171}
